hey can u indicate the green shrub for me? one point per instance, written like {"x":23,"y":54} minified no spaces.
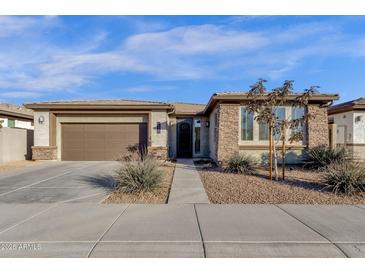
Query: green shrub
{"x":345,"y":177}
{"x":139,"y":176}
{"x":241,"y":163}
{"x":322,"y":156}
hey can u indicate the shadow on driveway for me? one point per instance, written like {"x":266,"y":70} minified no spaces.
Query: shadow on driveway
{"x":105,"y":181}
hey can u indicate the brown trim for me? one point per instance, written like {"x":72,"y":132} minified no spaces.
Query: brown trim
{"x":51,"y":106}
{"x":178,"y":114}
{"x":234,"y":98}
{"x":353,"y":145}
{"x":16,"y":115}
{"x":102,"y":123}
{"x":342,"y":109}
{"x":52,"y":129}
{"x":99,"y":112}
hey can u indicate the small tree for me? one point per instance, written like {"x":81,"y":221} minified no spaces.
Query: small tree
{"x":264,"y":104}
{"x":1,"y":123}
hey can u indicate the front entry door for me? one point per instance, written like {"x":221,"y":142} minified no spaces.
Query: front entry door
{"x":184,"y":138}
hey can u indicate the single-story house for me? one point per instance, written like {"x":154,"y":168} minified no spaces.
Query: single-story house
{"x":103,"y":129}
{"x":16,"y":133}
{"x":14,"y":116}
{"x":349,"y":120}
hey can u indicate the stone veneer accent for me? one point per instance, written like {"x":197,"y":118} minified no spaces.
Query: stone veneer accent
{"x":44,"y":153}
{"x":160,"y":153}
{"x":227,"y":131}
{"x":318,"y":126}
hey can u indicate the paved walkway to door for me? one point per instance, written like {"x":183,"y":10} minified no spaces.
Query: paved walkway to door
{"x":187,"y":187}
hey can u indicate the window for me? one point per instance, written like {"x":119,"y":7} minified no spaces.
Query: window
{"x":297,"y":113}
{"x":280,"y":116}
{"x":158,"y":127}
{"x":11,"y":123}
{"x":263,"y":132}
{"x":197,"y":127}
{"x":264,"y":128}
{"x":246,"y":125}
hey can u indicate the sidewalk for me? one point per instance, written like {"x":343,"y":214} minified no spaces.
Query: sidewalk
{"x":181,"y":230}
{"x":187,"y":187}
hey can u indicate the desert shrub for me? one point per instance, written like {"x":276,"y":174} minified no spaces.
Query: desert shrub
{"x":134,"y":153}
{"x":322,"y":156}
{"x":345,"y":177}
{"x":139,"y":176}
{"x":241,"y":163}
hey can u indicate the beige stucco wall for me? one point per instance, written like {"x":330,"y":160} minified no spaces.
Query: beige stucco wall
{"x":359,"y":128}
{"x":355,"y":131}
{"x":41,"y":131}
{"x":15,"y":144}
{"x":293,"y":156}
{"x":344,"y":120}
{"x":161,"y":139}
{"x":92,"y":119}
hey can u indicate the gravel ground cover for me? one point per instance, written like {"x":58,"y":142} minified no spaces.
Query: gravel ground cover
{"x":300,"y":187}
{"x":17,"y":165}
{"x":158,"y":196}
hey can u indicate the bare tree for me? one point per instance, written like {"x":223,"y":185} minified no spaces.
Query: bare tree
{"x":264,"y":105}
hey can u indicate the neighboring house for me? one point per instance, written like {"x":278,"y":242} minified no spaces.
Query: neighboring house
{"x":15,"y":116}
{"x":349,"y":120}
{"x":103,"y":129}
{"x":16,"y":134}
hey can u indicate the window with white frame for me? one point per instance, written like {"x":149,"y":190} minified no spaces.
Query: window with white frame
{"x":251,"y":130}
{"x":247,"y":120}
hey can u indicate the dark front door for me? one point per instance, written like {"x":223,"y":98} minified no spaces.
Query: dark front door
{"x":184,"y":138}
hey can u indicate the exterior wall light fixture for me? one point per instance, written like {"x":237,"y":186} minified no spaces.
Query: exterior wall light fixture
{"x":41,"y":119}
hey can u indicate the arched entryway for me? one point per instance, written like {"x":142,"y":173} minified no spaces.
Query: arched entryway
{"x":184,"y":138}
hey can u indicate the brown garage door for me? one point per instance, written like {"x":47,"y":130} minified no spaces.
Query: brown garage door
{"x":99,"y":142}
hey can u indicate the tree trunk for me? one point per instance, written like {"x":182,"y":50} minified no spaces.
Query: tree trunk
{"x":283,"y":151}
{"x":270,"y":152}
{"x":275,"y":161}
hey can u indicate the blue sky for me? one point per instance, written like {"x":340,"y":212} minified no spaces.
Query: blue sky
{"x":177,"y":58}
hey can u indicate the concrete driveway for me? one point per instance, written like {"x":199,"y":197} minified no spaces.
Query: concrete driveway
{"x":54,"y":210}
{"x":54,"y":182}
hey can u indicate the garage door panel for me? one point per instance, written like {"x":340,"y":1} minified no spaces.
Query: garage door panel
{"x":95,"y":155}
{"x":70,"y":154}
{"x":94,"y":143}
{"x":101,"y":141}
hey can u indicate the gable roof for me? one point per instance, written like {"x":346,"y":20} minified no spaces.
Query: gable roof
{"x":16,"y":111}
{"x":357,"y":104}
{"x":241,"y":96}
{"x":178,"y":108}
{"x":188,"y":108}
{"x":99,"y":104}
